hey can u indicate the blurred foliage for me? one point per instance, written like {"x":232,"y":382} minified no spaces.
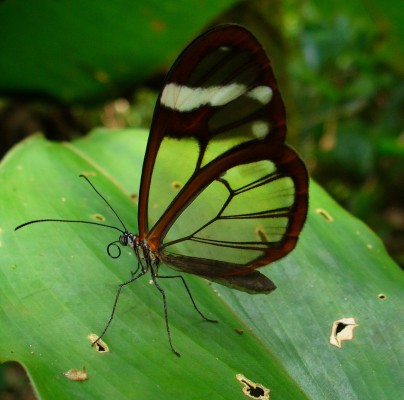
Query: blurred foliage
{"x":73,"y":51}
{"x":348,"y":91}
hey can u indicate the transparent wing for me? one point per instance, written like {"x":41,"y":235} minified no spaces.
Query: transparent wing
{"x":240,"y":198}
{"x":220,"y":93}
{"x":243,"y":211}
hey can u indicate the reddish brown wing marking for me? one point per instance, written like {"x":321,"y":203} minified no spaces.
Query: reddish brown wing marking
{"x":263,"y":250}
{"x":227,"y":59}
{"x":222,"y":90}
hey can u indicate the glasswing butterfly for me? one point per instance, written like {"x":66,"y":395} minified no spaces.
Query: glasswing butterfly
{"x":242,"y":193}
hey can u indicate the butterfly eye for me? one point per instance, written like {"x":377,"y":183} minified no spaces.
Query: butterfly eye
{"x":123,"y":239}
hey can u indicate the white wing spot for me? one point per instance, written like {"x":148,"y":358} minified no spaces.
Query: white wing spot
{"x":220,"y":95}
{"x":263,"y":94}
{"x":183,"y":98}
{"x":260,"y":129}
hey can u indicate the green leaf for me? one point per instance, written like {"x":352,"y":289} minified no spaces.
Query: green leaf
{"x":58,"y":285}
{"x":87,"y":51}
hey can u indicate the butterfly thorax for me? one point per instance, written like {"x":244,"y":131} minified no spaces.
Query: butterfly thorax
{"x":144,"y":253}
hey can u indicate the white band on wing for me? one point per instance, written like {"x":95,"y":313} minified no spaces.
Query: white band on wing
{"x":184,"y":98}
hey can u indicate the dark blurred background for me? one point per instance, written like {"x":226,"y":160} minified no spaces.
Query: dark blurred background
{"x":67,"y":68}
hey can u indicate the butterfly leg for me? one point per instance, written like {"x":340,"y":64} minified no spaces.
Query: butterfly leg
{"x":161,"y":290}
{"x":121,"y":285}
{"x":133,"y":273}
{"x":189,"y":294}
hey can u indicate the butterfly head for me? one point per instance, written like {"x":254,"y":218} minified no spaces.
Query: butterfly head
{"x":128,"y":239}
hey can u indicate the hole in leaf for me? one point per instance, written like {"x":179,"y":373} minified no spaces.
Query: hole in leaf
{"x":341,"y":330}
{"x":340,"y":327}
{"x":100,"y":346}
{"x":253,"y":390}
{"x":382,"y":296}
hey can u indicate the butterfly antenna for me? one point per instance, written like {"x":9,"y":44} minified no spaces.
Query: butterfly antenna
{"x":80,"y":221}
{"x":66,"y":220}
{"x":105,"y":201}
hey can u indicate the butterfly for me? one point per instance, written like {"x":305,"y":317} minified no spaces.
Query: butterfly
{"x":217,"y":137}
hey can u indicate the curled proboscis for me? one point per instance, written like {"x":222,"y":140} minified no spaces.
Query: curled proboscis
{"x":109,"y":249}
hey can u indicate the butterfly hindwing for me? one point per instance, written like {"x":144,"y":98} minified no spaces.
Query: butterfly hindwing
{"x":250,"y":214}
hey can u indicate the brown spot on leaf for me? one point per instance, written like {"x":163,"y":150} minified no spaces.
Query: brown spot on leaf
{"x":176,"y":185}
{"x":76,"y":374}
{"x":324,"y":214}
{"x":98,"y":217}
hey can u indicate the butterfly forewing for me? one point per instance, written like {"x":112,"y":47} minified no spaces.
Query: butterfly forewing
{"x":221,"y":87}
